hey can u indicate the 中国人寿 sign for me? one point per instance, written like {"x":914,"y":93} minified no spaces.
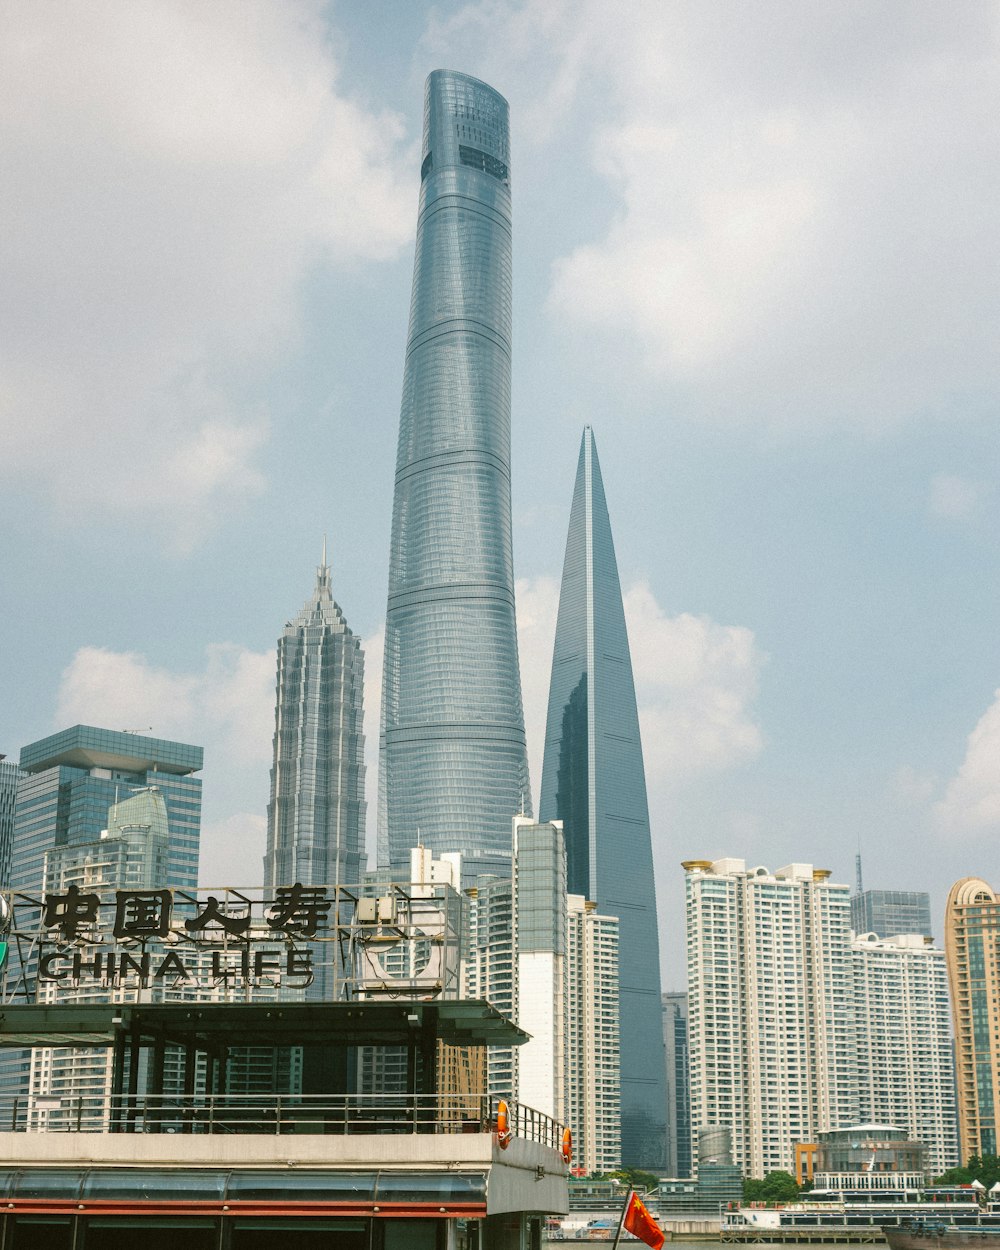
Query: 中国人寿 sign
{"x":149,"y":936}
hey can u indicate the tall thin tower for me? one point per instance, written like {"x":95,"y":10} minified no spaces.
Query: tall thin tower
{"x":316,"y":816}
{"x":452,"y":762}
{"x":593,"y":780}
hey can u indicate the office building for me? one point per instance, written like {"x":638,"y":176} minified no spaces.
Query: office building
{"x":452,"y":761}
{"x":906,"y":1066}
{"x":316,"y":814}
{"x":593,"y":781}
{"x":10,"y":775}
{"x":773,"y":1055}
{"x":888,"y":912}
{"x":75,"y":776}
{"x":675,"y":1042}
{"x":593,"y":1038}
{"x":972,"y":949}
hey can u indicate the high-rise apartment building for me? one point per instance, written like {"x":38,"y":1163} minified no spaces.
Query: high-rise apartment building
{"x":594,"y":782}
{"x":675,"y":1042}
{"x":316,"y":814}
{"x":770,"y":1016}
{"x":452,"y":761}
{"x":75,"y":776}
{"x":972,"y":947}
{"x":906,"y":1066}
{"x":888,"y":912}
{"x":592,"y":1104}
{"x":10,"y":775}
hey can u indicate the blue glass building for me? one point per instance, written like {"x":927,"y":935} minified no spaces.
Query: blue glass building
{"x":73,"y":778}
{"x":452,"y":762}
{"x":10,"y":775}
{"x":593,"y":780}
{"x":316,"y":814}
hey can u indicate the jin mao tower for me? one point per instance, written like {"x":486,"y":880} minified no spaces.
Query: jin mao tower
{"x":452,"y":761}
{"x":316,"y":816}
{"x":593,"y":780}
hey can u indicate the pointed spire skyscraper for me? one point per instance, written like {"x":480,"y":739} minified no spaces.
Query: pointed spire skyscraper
{"x":452,"y":758}
{"x":316,"y":816}
{"x":593,"y":780}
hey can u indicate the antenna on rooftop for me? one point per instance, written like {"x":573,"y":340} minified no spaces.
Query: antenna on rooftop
{"x":859,"y":887}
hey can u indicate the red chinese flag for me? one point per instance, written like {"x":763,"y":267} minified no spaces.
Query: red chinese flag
{"x":641,"y":1224}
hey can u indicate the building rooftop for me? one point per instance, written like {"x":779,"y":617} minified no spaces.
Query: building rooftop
{"x":86,"y":746}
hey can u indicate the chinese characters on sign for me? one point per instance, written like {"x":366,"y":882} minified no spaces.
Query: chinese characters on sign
{"x":179,"y":937}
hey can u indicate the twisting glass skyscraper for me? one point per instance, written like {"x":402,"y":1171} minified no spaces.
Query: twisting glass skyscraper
{"x":316,"y":816}
{"x":452,"y":764}
{"x":593,"y":780}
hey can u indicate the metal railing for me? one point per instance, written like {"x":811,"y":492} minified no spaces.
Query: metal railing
{"x":274,"y":1114}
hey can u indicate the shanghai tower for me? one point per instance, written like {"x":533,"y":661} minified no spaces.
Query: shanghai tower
{"x":593,"y":780}
{"x":452,"y":761}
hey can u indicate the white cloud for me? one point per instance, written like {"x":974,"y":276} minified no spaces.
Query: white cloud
{"x":227,"y":707}
{"x":175,"y":168}
{"x":695,"y":684}
{"x":971,"y":803}
{"x":801,"y":229}
{"x":954,"y":498}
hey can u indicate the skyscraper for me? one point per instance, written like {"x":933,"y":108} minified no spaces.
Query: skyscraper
{"x":452,"y":762}
{"x":316,"y":815}
{"x":593,"y":780}
{"x":74,"y":777}
{"x":972,"y":948}
{"x":773,"y":1056}
{"x":888,"y":912}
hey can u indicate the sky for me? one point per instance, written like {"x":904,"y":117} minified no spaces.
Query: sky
{"x":755,"y":249}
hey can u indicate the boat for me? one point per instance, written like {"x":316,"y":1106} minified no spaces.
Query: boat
{"x":936,"y":1235}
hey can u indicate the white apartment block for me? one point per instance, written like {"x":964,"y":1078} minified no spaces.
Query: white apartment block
{"x":770,"y":1017}
{"x":593,"y":1069}
{"x":906,"y":1064}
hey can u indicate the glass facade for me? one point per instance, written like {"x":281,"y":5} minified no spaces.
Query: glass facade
{"x":593,"y":780}
{"x":891,"y":912}
{"x":10,"y":775}
{"x":675,"y":1039}
{"x":75,"y":776}
{"x":452,"y":761}
{"x":316,"y":815}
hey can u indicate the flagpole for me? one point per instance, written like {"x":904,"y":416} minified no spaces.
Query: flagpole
{"x":621,"y":1219}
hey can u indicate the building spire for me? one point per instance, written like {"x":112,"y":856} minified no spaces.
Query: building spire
{"x":323,"y":573}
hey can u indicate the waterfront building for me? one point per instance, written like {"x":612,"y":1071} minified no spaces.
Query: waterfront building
{"x":593,"y":781}
{"x":592,"y":1100}
{"x":675,"y":1041}
{"x":10,"y":775}
{"x":906,"y":1065}
{"x":770,"y":1017}
{"x":316,"y":813}
{"x":888,"y":912}
{"x":452,"y":761}
{"x":870,"y":1157}
{"x":972,"y":948}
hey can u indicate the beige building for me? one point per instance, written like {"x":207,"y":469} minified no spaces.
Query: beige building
{"x":972,"y":948}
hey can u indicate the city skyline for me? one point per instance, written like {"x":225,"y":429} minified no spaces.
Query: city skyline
{"x":758,"y":258}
